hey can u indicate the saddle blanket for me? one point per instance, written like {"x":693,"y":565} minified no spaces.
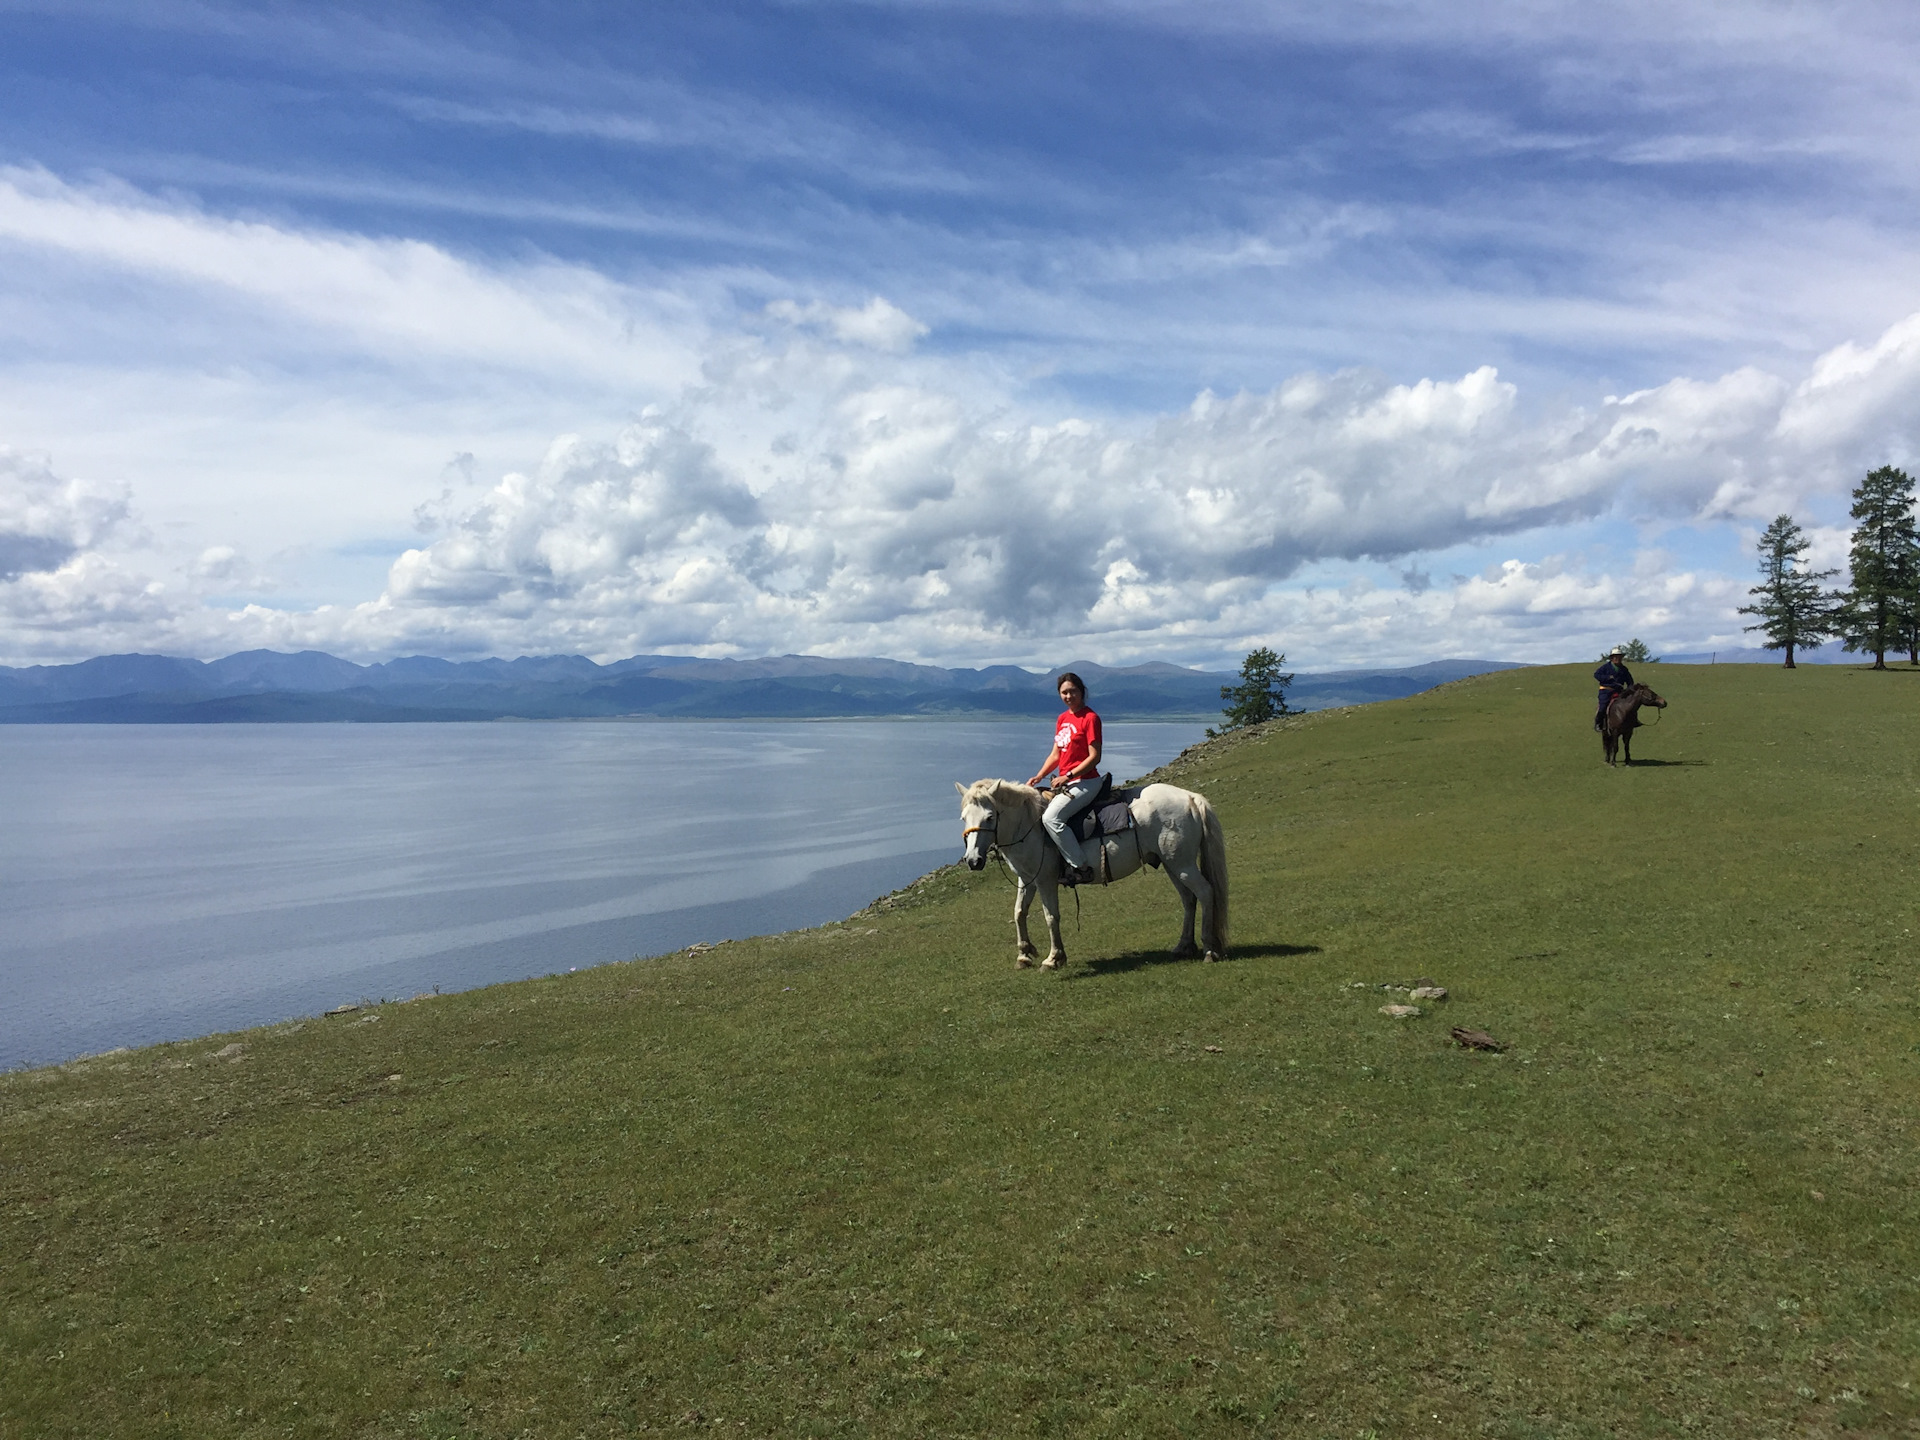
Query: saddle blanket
{"x":1110,"y":815}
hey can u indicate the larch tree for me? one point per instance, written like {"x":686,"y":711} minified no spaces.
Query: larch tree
{"x":1877,"y":611}
{"x":1794,"y":611}
{"x":1260,"y":695}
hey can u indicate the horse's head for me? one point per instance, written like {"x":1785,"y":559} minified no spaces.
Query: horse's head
{"x":987,"y":804}
{"x":979,"y":823}
{"x":1644,"y":694}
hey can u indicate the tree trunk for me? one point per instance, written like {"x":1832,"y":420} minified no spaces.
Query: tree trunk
{"x":1789,"y":665}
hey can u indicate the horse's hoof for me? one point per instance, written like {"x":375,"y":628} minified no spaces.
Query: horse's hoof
{"x":1052,"y":962}
{"x":1212,"y":959}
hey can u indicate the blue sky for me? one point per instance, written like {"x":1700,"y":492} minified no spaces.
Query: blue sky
{"x":959,"y":332}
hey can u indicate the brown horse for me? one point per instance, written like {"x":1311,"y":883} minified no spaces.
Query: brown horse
{"x":1623,"y":718}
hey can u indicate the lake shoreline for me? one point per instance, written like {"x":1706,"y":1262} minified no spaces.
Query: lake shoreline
{"x":166,"y":882}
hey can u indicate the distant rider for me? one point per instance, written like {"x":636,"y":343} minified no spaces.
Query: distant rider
{"x":1076,"y":756}
{"x":1615,"y":680}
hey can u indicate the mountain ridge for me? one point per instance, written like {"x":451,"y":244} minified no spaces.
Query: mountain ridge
{"x":270,"y":686}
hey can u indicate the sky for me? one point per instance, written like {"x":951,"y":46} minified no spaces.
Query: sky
{"x":966,"y":333}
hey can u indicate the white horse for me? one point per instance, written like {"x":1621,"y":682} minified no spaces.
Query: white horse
{"x":1171,"y":827}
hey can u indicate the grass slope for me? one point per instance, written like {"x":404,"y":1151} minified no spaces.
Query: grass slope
{"x":869,"y":1179}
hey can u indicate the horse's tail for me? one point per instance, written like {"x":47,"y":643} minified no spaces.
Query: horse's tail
{"x":1213,"y":865}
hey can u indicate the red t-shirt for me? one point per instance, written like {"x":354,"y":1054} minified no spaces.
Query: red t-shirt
{"x":1074,"y":737}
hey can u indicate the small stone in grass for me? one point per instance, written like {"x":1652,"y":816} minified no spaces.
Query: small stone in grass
{"x":1400,"y":1012}
{"x":1430,"y":992}
{"x":230,"y":1052}
{"x":1213,"y":1050}
{"x":1475,"y":1039}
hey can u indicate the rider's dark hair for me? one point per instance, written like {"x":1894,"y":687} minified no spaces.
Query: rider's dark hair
{"x":1067,"y":675}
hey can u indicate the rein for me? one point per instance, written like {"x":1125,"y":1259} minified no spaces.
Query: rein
{"x":1659,"y":713}
{"x":1006,"y":869}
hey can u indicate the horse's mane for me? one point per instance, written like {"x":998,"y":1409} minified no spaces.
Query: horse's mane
{"x":1003,"y":795}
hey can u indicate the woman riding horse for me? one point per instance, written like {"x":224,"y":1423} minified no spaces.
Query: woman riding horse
{"x":1076,"y":755}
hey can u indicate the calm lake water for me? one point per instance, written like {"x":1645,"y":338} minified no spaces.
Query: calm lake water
{"x":159,"y":882}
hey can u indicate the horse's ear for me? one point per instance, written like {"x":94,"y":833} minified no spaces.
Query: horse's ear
{"x":961,"y":788}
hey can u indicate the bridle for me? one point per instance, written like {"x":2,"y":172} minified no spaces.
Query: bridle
{"x":992,"y":828}
{"x":1659,"y":710}
{"x":995,"y":849}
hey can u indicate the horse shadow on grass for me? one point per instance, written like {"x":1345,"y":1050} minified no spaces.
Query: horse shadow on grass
{"x":1140,"y":959}
{"x":1644,"y":764}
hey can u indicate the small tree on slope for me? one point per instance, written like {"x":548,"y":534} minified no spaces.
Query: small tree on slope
{"x":1794,"y":611}
{"x":1260,"y":695}
{"x":1876,"y":613}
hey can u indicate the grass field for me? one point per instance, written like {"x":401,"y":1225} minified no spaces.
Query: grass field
{"x":872,"y":1180}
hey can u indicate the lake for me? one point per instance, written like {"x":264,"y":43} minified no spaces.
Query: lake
{"x":160,"y":882}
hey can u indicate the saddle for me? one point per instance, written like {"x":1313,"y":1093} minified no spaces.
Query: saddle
{"x":1109,"y":814}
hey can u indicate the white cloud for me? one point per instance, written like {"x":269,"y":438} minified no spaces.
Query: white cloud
{"x":91,"y":605}
{"x":814,"y":493}
{"x":402,"y":299}
{"x":911,"y":522}
{"x":878,"y":324}
{"x":46,"y":521}
{"x":735,"y":128}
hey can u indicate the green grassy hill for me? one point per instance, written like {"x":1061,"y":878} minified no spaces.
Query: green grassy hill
{"x":870,"y":1179}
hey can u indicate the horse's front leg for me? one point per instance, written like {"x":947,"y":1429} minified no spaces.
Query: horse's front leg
{"x":1050,"y":908}
{"x":1022,"y":902}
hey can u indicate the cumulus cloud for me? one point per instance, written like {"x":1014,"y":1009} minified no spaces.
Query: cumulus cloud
{"x":46,"y":521}
{"x":814,"y":493}
{"x":875,"y":508}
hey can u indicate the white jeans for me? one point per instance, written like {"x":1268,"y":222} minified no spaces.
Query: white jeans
{"x":1062,"y":808}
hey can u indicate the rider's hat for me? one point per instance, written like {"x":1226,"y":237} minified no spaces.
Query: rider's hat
{"x":1617,"y":650}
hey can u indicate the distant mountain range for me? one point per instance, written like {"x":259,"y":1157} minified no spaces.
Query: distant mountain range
{"x":268,"y":686}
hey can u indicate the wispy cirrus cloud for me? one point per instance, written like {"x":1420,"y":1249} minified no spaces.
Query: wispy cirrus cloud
{"x":734,"y":129}
{"x":395,"y":296}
